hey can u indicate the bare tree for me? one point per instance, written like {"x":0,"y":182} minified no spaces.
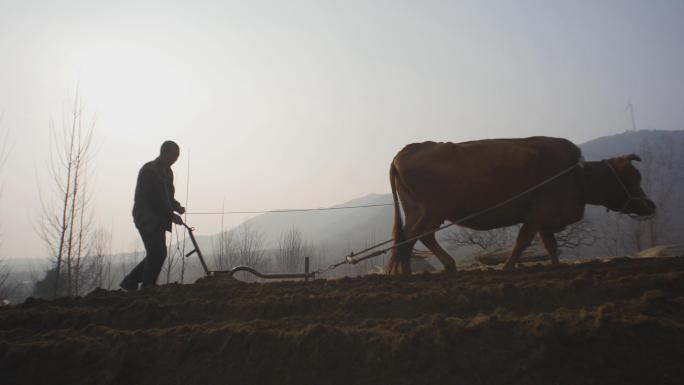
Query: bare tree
{"x":292,"y":249}
{"x":82,"y":237}
{"x":224,"y":250}
{"x":100,"y":263}
{"x":249,"y":247}
{"x":5,"y":272}
{"x":4,"y":268}
{"x":65,"y":222}
{"x":485,"y":240}
{"x":581,"y":233}
{"x":662,"y":169}
{"x":662,"y":172}
{"x":242,"y":246}
{"x":371,"y":265}
{"x":172,"y":257}
{"x":4,"y":149}
{"x":128,"y":262}
{"x":611,"y":230}
{"x":224,"y":253}
{"x":318,"y":257}
{"x":185,"y":217}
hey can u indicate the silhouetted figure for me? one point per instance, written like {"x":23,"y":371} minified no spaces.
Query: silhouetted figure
{"x":153,"y":213}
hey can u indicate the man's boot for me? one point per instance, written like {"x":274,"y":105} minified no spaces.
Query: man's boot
{"x":128,"y":284}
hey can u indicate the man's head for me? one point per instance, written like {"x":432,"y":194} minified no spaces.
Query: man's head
{"x":168,"y":154}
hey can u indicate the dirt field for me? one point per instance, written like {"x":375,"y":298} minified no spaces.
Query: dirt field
{"x":617,"y":322}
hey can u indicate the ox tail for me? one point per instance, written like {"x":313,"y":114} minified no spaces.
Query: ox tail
{"x":395,"y":263}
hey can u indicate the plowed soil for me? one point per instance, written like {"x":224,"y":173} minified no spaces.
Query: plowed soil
{"x":615,"y":322}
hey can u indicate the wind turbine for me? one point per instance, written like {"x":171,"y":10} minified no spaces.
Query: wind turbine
{"x":630,"y":107}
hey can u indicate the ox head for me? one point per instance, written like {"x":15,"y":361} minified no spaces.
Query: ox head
{"x":622,"y":187}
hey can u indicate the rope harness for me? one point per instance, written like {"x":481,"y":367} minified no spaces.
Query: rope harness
{"x":630,"y":197}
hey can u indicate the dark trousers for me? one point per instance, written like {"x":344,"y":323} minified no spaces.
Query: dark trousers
{"x":149,"y":268}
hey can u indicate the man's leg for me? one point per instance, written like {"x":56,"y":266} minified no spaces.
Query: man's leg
{"x":135,"y":277}
{"x":155,"y":244}
{"x":136,"y":274}
{"x":151,"y":243}
{"x":131,"y":281}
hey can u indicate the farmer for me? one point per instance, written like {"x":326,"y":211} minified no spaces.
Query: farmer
{"x":153,"y":212}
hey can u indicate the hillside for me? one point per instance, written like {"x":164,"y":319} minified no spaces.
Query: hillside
{"x":334,"y":226}
{"x":628,"y":142}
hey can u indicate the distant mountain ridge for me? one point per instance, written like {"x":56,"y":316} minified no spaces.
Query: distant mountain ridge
{"x":626,"y":142}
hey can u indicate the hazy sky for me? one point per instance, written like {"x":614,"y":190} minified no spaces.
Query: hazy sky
{"x":304,"y":103}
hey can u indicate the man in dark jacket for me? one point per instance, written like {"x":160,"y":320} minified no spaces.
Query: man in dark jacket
{"x":153,"y":213}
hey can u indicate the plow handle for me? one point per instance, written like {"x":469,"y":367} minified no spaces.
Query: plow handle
{"x":197,"y":249}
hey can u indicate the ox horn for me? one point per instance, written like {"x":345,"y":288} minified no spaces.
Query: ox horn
{"x":632,"y":157}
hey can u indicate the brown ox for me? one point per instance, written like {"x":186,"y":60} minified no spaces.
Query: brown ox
{"x":439,"y":182}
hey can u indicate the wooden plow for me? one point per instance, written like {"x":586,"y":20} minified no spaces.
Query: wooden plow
{"x":306,"y":275}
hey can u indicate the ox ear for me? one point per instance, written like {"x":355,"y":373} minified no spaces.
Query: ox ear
{"x":632,"y":157}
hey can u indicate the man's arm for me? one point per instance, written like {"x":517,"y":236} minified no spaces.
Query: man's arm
{"x":172,"y":192}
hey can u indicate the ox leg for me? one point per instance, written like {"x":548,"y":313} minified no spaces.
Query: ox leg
{"x":415,"y":226}
{"x":431,"y":243}
{"x":525,"y":236}
{"x":404,"y":252}
{"x":550,"y":245}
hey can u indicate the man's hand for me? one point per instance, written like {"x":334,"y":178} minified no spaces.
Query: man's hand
{"x":181,"y":210}
{"x":175,"y":218}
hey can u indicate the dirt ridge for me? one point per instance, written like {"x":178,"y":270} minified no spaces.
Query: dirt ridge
{"x":615,"y":322}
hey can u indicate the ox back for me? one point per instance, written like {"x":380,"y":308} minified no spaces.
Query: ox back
{"x":452,"y":180}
